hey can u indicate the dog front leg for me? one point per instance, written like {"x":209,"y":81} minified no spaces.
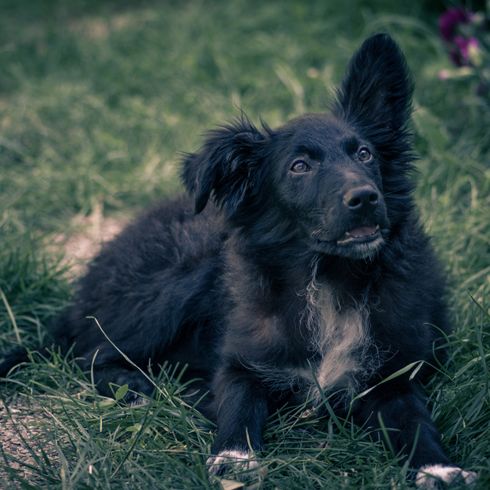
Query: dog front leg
{"x":400,"y":413}
{"x":241,"y":411}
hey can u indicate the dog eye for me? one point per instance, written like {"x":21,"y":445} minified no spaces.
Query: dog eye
{"x":364,"y":155}
{"x":300,"y":167}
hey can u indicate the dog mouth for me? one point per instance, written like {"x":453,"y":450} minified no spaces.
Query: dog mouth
{"x":362,"y":234}
{"x":360,"y":242}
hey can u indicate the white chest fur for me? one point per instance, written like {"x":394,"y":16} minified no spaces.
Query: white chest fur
{"x":339,"y":335}
{"x":338,"y":340}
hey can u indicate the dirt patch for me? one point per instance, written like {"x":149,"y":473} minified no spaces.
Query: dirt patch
{"x":24,"y":433}
{"x":84,"y":239}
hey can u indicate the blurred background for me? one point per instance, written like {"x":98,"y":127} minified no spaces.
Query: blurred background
{"x":98,"y":98}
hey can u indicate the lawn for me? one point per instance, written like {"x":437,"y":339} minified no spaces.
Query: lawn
{"x":97,"y":101}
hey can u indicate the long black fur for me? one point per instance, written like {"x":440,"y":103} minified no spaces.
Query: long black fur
{"x":247,"y":278}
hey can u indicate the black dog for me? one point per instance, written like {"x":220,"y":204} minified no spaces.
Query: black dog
{"x":308,"y":277}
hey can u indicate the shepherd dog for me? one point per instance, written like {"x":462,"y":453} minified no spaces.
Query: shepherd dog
{"x":295,"y":269}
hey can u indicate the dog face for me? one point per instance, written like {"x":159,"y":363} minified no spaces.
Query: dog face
{"x":336,"y":182}
{"x":327,"y":179}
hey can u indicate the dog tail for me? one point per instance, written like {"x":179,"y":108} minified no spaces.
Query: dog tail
{"x":12,"y":358}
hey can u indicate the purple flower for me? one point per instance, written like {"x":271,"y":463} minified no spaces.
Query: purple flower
{"x":460,"y":53}
{"x":460,"y":47}
{"x":449,"y":20}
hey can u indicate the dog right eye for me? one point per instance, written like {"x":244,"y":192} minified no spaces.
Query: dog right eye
{"x":300,"y":167}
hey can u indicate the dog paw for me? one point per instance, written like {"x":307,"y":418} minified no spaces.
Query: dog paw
{"x":432,"y":476}
{"x":233,"y":461}
{"x":135,"y":400}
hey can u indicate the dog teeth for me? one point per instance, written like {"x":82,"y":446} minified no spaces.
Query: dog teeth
{"x":362,"y":231}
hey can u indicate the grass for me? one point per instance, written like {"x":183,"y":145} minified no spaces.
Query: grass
{"x":97,"y":99}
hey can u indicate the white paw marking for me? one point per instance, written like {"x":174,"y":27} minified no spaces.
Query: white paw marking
{"x":429,"y":477}
{"x":233,"y":460}
{"x":139,"y":401}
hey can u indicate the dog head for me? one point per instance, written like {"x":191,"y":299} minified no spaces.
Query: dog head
{"x":337,"y":182}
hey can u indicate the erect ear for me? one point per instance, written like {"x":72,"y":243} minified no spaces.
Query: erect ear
{"x":227,"y":165}
{"x":376,"y":93}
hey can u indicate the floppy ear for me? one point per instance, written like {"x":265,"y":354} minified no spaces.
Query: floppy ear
{"x":227,"y":165}
{"x":376,"y":93}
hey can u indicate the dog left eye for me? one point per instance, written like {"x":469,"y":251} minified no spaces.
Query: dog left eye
{"x":364,"y":155}
{"x":300,"y":167}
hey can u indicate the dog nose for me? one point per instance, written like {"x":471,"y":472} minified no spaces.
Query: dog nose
{"x":361,"y":198}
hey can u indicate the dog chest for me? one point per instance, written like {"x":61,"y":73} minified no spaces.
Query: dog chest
{"x":339,"y":335}
{"x":336,"y":339}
